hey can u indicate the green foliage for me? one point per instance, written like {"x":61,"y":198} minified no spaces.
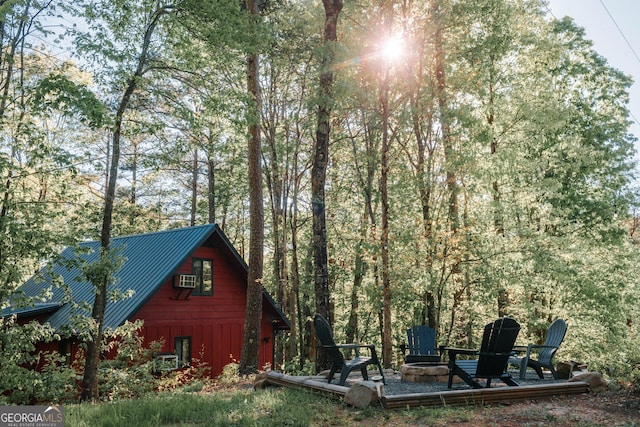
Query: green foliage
{"x":57,"y":92}
{"x":230,"y":374}
{"x":130,"y":373}
{"x":125,"y":382}
{"x":57,"y":382}
{"x":292,"y":367}
{"x":20,"y":383}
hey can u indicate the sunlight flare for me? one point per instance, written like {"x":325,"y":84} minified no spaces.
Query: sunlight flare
{"x":392,"y":50}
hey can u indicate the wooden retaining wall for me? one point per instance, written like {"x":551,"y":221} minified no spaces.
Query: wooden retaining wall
{"x":482,"y":396}
{"x":453,"y":397}
{"x":310,"y":383}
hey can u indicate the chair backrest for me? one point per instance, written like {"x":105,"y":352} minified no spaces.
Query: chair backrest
{"x":497,"y":344}
{"x":421,"y":340}
{"x":324,"y":334}
{"x":555,"y":336}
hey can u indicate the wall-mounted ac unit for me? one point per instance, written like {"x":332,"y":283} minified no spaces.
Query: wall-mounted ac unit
{"x":187,"y":281}
{"x":164,"y":362}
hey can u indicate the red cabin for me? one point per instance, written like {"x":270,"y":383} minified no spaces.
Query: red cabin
{"x":188,"y":285}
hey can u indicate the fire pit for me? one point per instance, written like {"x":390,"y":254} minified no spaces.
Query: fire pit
{"x":425,"y":372}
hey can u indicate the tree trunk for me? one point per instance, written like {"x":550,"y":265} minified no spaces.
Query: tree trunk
{"x":101,"y":281}
{"x":387,"y":336}
{"x":305,"y":312}
{"x":94,"y":346}
{"x":332,"y":10}
{"x":441,"y":86}
{"x":194,"y":188}
{"x":360,"y":267}
{"x":498,"y":220}
{"x":211,"y":186}
{"x":249,"y":356}
{"x":295,"y":334}
{"x":277,"y":183}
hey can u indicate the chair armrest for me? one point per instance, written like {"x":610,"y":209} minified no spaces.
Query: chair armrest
{"x":355,"y":346}
{"x":527,"y":349}
{"x":455,"y":350}
{"x":507,"y":353}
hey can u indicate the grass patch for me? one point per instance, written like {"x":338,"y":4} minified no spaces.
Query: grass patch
{"x":239,"y":405}
{"x":242,"y":407}
{"x":278,"y":407}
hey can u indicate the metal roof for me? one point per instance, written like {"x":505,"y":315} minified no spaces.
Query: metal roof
{"x":149,"y":260}
{"x":37,"y":309}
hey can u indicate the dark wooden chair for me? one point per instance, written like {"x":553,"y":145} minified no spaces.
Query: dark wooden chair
{"x":420,"y":345}
{"x":336,"y":357}
{"x":543,"y":353}
{"x":496,"y":348}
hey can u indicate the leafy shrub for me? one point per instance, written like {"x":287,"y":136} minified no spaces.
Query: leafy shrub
{"x":188,"y":378}
{"x":230,"y":374}
{"x":293,"y":367}
{"x":20,"y":382}
{"x":30,"y":377}
{"x":59,"y":382}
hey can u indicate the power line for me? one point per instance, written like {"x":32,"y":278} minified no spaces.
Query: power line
{"x":620,"y":31}
{"x":624,"y":37}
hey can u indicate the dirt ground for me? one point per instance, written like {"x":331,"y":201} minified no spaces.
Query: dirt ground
{"x":619,"y":408}
{"x":608,"y":409}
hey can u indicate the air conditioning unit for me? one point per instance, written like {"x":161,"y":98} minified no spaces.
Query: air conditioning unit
{"x":187,"y":281}
{"x":164,"y":362}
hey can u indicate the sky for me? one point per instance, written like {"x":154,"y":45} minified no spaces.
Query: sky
{"x":613,"y":27}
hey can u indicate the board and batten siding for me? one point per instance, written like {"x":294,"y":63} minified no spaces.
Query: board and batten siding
{"x":214,"y":323}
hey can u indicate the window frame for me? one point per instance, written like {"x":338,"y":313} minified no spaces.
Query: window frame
{"x":178,"y":350}
{"x":198,"y":271}
{"x":65,"y":349}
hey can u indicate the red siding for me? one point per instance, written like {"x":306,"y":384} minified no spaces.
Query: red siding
{"x":214,"y":323}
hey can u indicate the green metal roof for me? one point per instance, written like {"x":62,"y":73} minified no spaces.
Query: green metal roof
{"x":149,"y":260}
{"x":37,"y":309}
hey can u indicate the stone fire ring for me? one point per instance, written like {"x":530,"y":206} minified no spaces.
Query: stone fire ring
{"x":424,"y":372}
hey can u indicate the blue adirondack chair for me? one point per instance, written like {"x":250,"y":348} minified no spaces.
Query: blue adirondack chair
{"x":543,"y":353}
{"x":492,"y":358}
{"x":335,"y":355}
{"x":421,"y":345}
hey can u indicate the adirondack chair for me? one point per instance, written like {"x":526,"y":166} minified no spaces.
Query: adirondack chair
{"x":495,"y":350}
{"x":336,"y":357}
{"x":421,"y":345}
{"x":545,"y":352}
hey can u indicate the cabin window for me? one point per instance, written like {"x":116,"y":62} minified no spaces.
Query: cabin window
{"x":183,"y":350}
{"x":203,"y":270}
{"x":65,"y":350}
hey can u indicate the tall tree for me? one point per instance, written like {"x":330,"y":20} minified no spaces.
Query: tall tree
{"x":387,"y":336}
{"x":251,"y":337}
{"x":332,"y":9}
{"x":101,"y":274}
